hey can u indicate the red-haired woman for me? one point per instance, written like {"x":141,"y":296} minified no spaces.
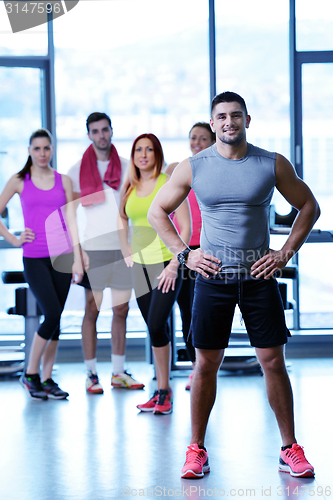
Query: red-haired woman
{"x":155,"y":269}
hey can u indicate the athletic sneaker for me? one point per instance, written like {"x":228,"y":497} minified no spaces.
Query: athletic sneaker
{"x":53,"y":390}
{"x":189,"y":382}
{"x":196,"y":463}
{"x":92,"y":384}
{"x":150,"y":405}
{"x":33,"y":386}
{"x":164,"y":403}
{"x":293,"y":461}
{"x":125,"y":381}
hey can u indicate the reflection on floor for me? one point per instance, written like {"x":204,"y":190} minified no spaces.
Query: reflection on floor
{"x":101,"y":447}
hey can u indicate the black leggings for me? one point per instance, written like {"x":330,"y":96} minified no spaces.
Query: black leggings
{"x":185,"y":301}
{"x":50,"y":288}
{"x":154,"y":305}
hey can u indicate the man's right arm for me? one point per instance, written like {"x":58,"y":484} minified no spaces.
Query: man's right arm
{"x":169,"y":197}
{"x":74,"y":174}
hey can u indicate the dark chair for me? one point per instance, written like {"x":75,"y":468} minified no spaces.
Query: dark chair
{"x":25,"y":305}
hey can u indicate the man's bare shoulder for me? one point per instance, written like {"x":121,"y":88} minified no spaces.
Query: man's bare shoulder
{"x":124,"y":163}
{"x":284,"y":169}
{"x":183,"y":167}
{"x":75,"y":169}
{"x":74,"y":175}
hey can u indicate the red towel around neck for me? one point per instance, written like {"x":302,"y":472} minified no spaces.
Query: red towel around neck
{"x":91,"y":184}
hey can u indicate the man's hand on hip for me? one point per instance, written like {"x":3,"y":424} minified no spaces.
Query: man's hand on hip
{"x":203,"y":263}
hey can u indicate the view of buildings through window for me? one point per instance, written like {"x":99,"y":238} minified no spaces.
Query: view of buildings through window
{"x":116,"y":56}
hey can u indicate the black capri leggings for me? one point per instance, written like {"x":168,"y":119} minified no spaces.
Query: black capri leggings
{"x":185,"y":301}
{"x":154,"y":305}
{"x":50,"y":288}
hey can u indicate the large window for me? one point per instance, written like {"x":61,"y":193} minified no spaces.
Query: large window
{"x":316,"y":274}
{"x":20,"y":103}
{"x":144,"y":63}
{"x":252,"y":59}
{"x":32,"y":42}
{"x":147,"y":65}
{"x":314,"y":25}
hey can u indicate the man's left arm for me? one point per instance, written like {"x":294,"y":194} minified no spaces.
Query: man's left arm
{"x":299,"y":195}
{"x":77,"y":268}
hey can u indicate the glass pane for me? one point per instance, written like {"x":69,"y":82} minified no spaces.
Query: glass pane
{"x":32,"y":41}
{"x":316,"y":277}
{"x":252,"y":59}
{"x":314,"y":25}
{"x":315,"y":264}
{"x":147,"y":74}
{"x":150,"y":73}
{"x":317,"y":99}
{"x":20,"y":104}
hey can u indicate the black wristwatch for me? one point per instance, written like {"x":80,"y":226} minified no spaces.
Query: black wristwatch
{"x":182,"y":256}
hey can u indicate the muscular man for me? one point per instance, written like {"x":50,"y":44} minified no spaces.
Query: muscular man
{"x":96,"y":184}
{"x":234,"y":182}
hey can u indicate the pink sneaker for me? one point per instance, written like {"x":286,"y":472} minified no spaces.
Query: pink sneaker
{"x":164,"y":402}
{"x":196,"y":463}
{"x":293,"y":461}
{"x":189,"y":382}
{"x":150,"y":405}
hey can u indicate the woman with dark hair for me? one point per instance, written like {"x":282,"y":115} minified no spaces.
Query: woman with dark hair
{"x":201,"y":137}
{"x":49,"y":240}
{"x":155,"y":269}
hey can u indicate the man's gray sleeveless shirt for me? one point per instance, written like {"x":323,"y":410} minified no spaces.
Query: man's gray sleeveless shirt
{"x":234,"y":198}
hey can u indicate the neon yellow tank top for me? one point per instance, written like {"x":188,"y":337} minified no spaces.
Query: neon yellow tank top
{"x":147,"y":247}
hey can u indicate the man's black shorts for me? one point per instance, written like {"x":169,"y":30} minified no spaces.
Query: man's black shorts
{"x":259,"y":301}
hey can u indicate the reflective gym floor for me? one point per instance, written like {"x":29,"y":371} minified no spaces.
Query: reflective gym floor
{"x":98,"y":447}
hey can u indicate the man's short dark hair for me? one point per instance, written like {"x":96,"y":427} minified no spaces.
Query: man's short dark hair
{"x":228,"y":97}
{"x":96,"y":117}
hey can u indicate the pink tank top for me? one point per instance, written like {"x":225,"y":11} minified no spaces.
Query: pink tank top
{"x":44,"y":213}
{"x":196,"y":220}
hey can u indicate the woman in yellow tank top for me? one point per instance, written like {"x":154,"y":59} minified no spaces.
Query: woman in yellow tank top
{"x":155,"y":269}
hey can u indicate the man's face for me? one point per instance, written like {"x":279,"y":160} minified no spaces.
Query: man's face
{"x":100,"y":133}
{"x":230,"y":122}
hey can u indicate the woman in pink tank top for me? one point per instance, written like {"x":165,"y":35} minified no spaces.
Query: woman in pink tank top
{"x":49,"y":240}
{"x":201,"y":137}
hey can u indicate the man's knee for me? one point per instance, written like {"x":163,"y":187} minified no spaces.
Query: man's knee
{"x":208,"y":361}
{"x":121,"y":311}
{"x":272,"y":358}
{"x":91,"y":309}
